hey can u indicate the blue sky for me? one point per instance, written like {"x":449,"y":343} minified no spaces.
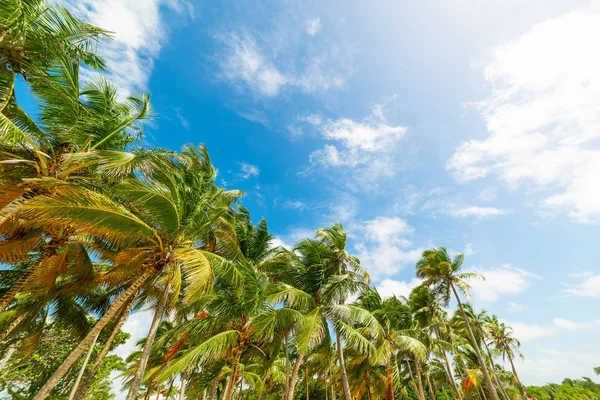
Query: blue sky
{"x":465,"y":124}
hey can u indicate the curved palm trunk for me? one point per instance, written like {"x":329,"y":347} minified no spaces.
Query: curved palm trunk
{"x":184,"y":377}
{"x":521,"y":387}
{"x":430,"y":386}
{"x":451,"y":377}
{"x":234,"y":375}
{"x":214,"y":387}
{"x":413,"y":381}
{"x":7,"y":356}
{"x":80,"y":395}
{"x":486,"y":374}
{"x":82,"y":369}
{"x":12,"y":326}
{"x":139,"y":373}
{"x":419,"y":379}
{"x":306,"y":380}
{"x":287,"y":367}
{"x":262,"y":386}
{"x":294,"y":377}
{"x":496,"y":380}
{"x":389,"y":373}
{"x":78,"y":351}
{"x":344,"y":375}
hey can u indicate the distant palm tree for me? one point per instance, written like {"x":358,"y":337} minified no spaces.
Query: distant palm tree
{"x":502,"y":337}
{"x":444,"y":275}
{"x":395,"y":333}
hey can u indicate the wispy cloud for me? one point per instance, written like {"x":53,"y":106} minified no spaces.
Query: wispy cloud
{"x":542,"y":116}
{"x":588,"y":285}
{"x":313,"y":26}
{"x":477,"y":212}
{"x":246,"y":63}
{"x":505,"y":280}
{"x":184,"y":122}
{"x":364,"y":149}
{"x":139,"y":34}
{"x":248,"y":171}
{"x":384,"y":247}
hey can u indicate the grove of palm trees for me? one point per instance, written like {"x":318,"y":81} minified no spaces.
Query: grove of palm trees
{"x":95,"y":226}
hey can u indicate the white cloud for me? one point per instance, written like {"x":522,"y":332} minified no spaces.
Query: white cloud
{"x":478,"y":212}
{"x":501,"y":281}
{"x":526,"y":332}
{"x":364,"y":150}
{"x":589,"y":286}
{"x":382,"y":247}
{"x":543,"y":117}
{"x":391,"y":287}
{"x":554,"y":366}
{"x":277,"y":242}
{"x":468,"y":250}
{"x":568,"y":325}
{"x":313,"y":26}
{"x":138,"y":31}
{"x":488,"y":194}
{"x":294,"y":204}
{"x":184,"y":122}
{"x":247,"y":62}
{"x":515,"y":307}
{"x":137,"y":325}
{"x":248,"y":170}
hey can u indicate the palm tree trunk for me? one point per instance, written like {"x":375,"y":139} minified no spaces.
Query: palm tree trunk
{"x":306,"y":380}
{"x":287,"y":367}
{"x":78,"y":351}
{"x":486,"y":374}
{"x":82,"y":369}
{"x":419,"y":378}
{"x":496,"y":380}
{"x":431,"y":391}
{"x":12,"y":326}
{"x":80,"y":395}
{"x":184,"y":377}
{"x":451,"y":377}
{"x":7,"y":356}
{"x":214,"y":387}
{"x":234,"y":372}
{"x":389,"y":372}
{"x":521,"y":387}
{"x":170,"y":387}
{"x":139,"y":373}
{"x":262,"y":386}
{"x":343,"y":374}
{"x":294,"y":377}
{"x":412,"y":378}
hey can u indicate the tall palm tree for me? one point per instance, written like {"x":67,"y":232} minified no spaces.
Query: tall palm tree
{"x":81,"y":130}
{"x":160,"y":220}
{"x":320,"y":282}
{"x":502,"y":336}
{"x":445,"y":275}
{"x":396,"y":332}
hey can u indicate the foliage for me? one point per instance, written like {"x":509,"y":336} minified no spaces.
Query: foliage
{"x":29,"y":368}
{"x":569,"y":389}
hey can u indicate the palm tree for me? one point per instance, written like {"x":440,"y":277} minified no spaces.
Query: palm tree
{"x":502,"y":337}
{"x":80,"y":131}
{"x":444,"y":275}
{"x":172,"y":210}
{"x":396,"y":332}
{"x":33,"y":35}
{"x":324,"y":276}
